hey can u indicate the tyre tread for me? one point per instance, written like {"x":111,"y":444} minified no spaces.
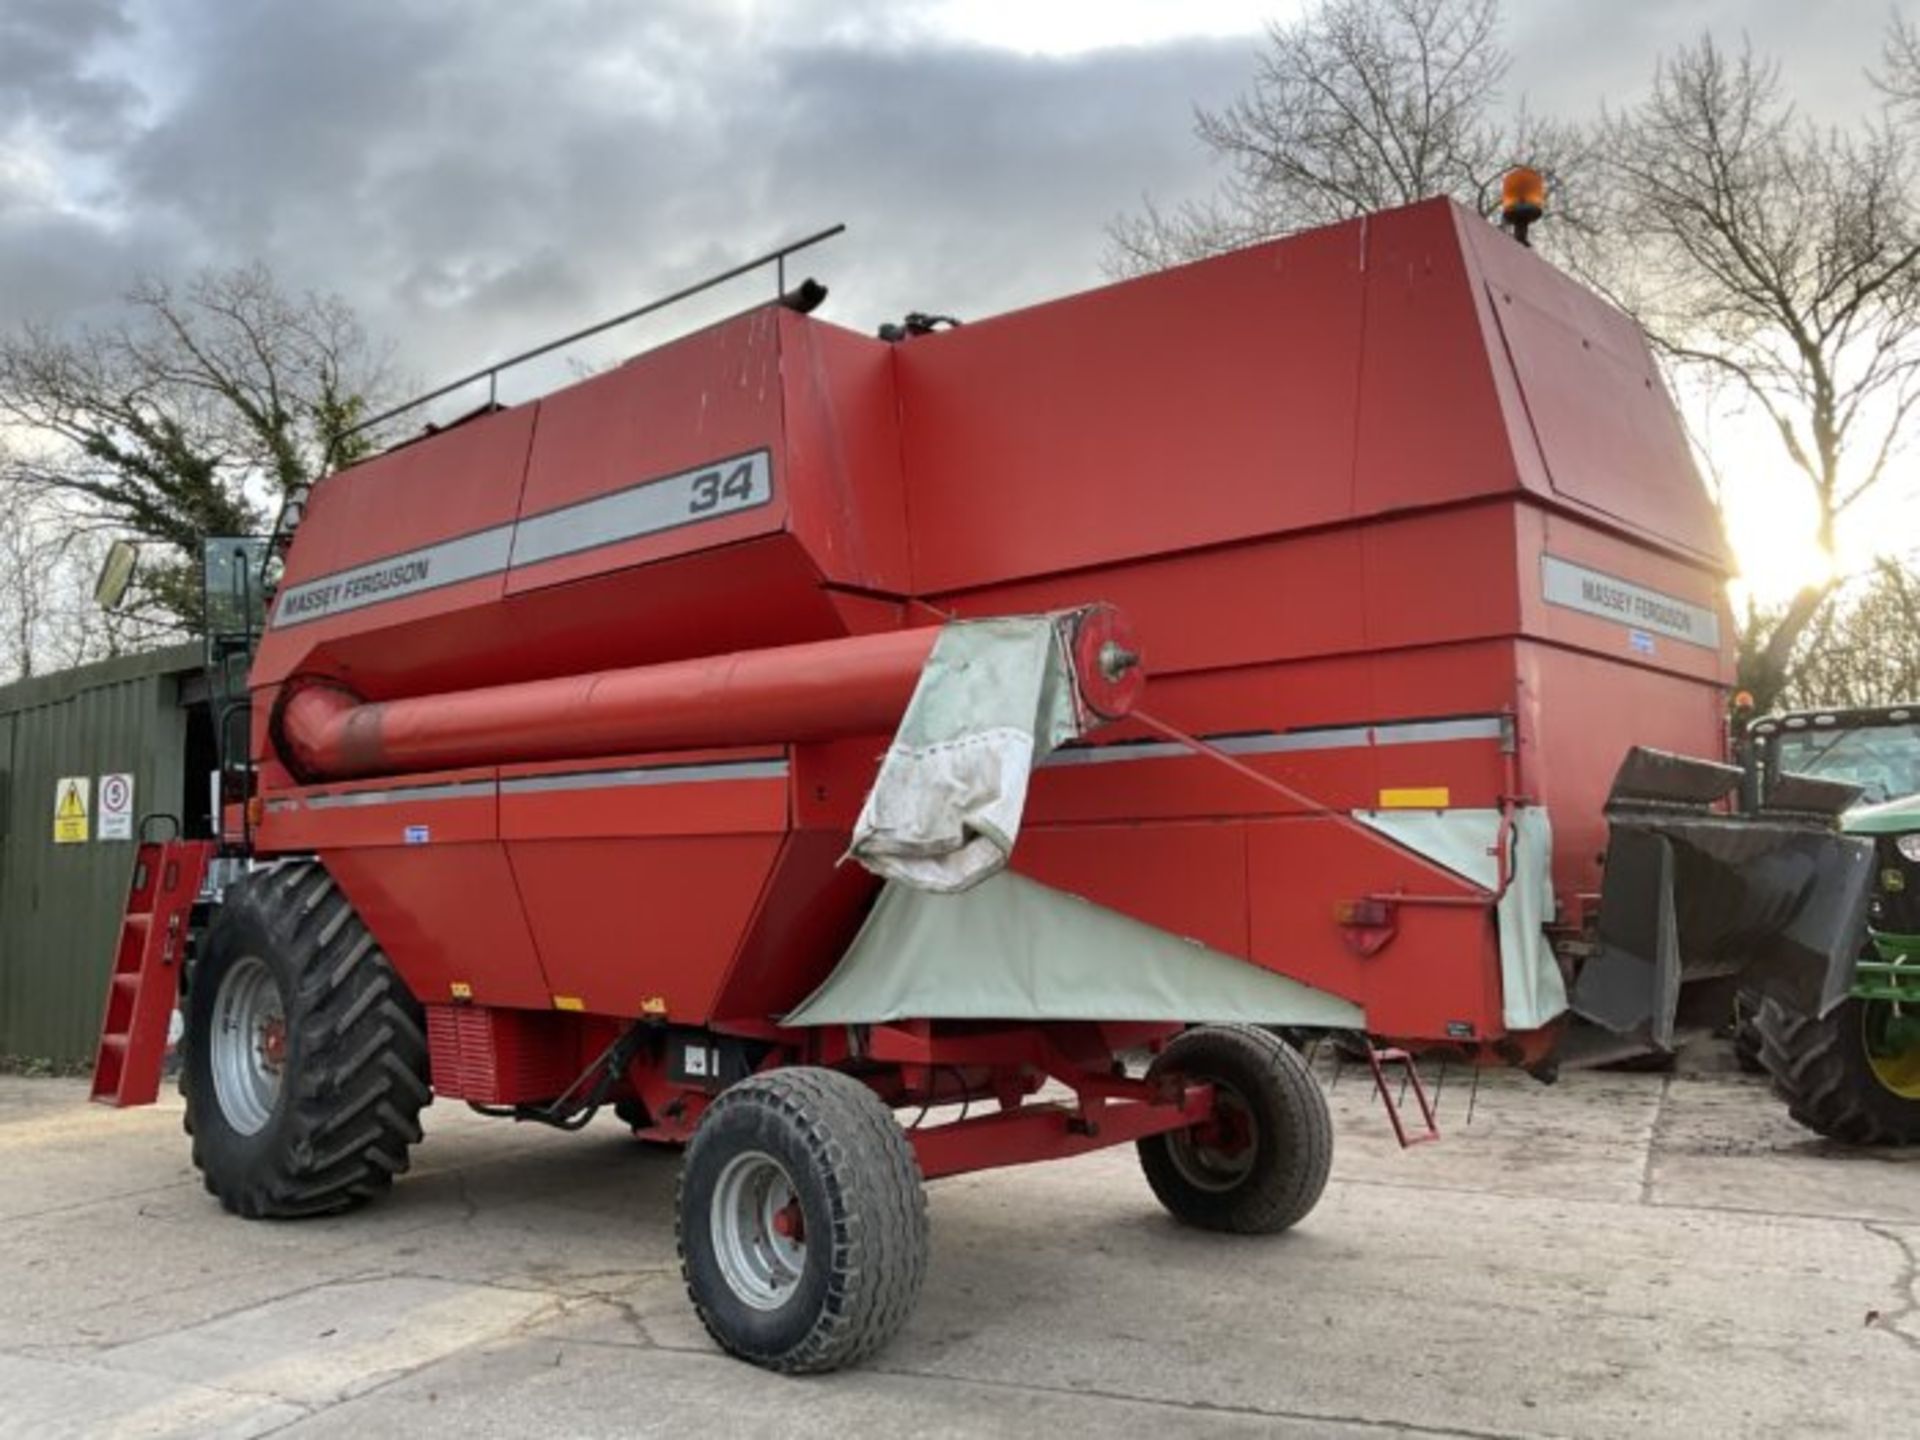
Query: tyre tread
{"x":1815,"y":1062}
{"x":880,"y":1247}
{"x":366,"y":1058}
{"x":1281,"y":1192}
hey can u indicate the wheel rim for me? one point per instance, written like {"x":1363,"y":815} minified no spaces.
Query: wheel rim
{"x":1219,"y":1153}
{"x":1892,"y":1034}
{"x":249,"y":1045}
{"x":759,"y":1230}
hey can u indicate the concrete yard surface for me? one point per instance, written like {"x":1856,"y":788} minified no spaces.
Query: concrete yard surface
{"x":1616,"y":1255}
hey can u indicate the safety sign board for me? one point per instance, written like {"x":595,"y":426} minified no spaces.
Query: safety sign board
{"x":116,"y":807}
{"x":70,"y":809}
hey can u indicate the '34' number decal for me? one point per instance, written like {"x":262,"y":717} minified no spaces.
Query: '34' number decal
{"x":714,"y":488}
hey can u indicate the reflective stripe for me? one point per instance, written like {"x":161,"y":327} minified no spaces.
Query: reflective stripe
{"x":1419,"y":797}
{"x":1269,"y":742}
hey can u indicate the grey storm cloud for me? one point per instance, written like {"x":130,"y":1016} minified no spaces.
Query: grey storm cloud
{"x":44,"y":75}
{"x":473,"y":177}
{"x":477,"y":176}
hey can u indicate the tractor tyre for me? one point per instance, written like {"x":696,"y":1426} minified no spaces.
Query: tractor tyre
{"x":1832,"y":1081}
{"x":1259,"y":1165}
{"x":306,"y":1066}
{"x":802,"y":1221}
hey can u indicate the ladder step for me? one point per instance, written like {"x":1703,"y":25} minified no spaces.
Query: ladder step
{"x":1378,"y":1061}
{"x":145,"y":977}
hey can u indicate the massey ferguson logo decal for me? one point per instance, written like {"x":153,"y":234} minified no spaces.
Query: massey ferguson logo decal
{"x":692,"y":497}
{"x":415,"y":574}
{"x":1577,"y":588}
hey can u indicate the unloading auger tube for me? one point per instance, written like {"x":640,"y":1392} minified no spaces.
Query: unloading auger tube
{"x":791,"y":694}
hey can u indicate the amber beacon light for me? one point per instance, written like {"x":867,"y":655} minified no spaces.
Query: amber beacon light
{"x":1523,"y":200}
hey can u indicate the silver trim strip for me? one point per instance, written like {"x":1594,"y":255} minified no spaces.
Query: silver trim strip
{"x":664,"y":504}
{"x":667,"y":502}
{"x":393,"y":577}
{"x":648,"y":775}
{"x":1428,"y":732}
{"x":1114,"y":754}
{"x":1353,"y":737}
{"x":405,"y":794}
{"x":1348,"y":737}
{"x":535,"y":784}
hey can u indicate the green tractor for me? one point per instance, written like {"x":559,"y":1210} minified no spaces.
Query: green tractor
{"x":1851,"y":1073}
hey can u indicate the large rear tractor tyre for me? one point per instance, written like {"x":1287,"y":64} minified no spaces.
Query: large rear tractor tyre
{"x":802,"y":1221}
{"x":1847,"y":1076}
{"x":306,"y":1064}
{"x":1259,"y":1164}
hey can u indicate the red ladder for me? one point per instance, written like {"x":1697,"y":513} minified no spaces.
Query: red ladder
{"x":146,"y":970}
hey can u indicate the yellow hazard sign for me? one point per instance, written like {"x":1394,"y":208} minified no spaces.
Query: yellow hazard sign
{"x":70,"y":809}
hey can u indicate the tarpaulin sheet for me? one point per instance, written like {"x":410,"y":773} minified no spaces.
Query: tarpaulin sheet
{"x":1532,"y":988}
{"x":995,"y":698}
{"x":1010,"y":948}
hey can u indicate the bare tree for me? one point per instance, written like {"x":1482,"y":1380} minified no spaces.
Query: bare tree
{"x":192,"y":417}
{"x":1900,"y":80}
{"x":1864,"y":648}
{"x":1356,"y":106}
{"x":47,"y":568}
{"x":1780,"y":262}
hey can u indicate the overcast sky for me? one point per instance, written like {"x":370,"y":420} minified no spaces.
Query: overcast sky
{"x":478,"y":176}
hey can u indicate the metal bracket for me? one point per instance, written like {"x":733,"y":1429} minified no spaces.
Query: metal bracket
{"x":1377,"y":1061}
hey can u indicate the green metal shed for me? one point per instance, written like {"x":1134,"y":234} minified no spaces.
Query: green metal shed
{"x":60,"y":904}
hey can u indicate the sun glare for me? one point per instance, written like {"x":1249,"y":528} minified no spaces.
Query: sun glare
{"x":1767,"y":506}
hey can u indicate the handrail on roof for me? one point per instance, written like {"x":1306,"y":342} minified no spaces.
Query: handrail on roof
{"x":491,"y":373}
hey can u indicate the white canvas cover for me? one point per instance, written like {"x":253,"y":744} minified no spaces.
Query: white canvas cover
{"x":1010,"y":948}
{"x":954,"y":935}
{"x":995,"y":698}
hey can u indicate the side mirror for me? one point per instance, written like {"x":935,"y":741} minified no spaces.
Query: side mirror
{"x":116,"y":574}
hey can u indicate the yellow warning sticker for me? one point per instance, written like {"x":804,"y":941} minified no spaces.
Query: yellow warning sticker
{"x":1431,"y":797}
{"x":70,"y":798}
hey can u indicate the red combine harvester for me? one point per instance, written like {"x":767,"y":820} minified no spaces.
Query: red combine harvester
{"x":562,"y":717}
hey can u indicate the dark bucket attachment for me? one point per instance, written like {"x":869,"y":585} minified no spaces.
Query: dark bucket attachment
{"x":1690,"y":893}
